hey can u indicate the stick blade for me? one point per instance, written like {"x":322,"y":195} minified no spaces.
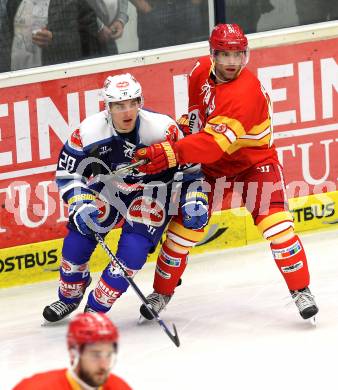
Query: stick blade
{"x":175,"y":338}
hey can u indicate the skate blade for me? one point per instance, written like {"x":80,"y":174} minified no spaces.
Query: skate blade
{"x":62,"y":322}
{"x":313,"y":321}
{"x":143,"y":320}
{"x":47,"y":323}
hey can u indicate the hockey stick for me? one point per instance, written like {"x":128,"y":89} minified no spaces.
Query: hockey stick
{"x":129,"y":167}
{"x":173,"y":336}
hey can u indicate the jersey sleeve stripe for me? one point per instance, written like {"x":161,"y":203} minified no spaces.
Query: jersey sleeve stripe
{"x":230,"y":135}
{"x":74,"y":149}
{"x":260,"y":128}
{"x":257,"y":136}
{"x":69,"y":176}
{"x":221,"y":139}
{"x":68,"y":187}
{"x":250,"y":143}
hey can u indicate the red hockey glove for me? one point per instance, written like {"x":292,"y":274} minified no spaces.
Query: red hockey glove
{"x":183,"y":124}
{"x":161,"y":157}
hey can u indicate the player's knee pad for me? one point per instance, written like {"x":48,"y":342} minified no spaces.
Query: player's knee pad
{"x":133,"y":249}
{"x":275,"y":225}
{"x":181,"y":235}
{"x":169,"y":268}
{"x":291,"y":260}
{"x":77,"y":248}
{"x":73,"y":272}
{"x":112,"y":276}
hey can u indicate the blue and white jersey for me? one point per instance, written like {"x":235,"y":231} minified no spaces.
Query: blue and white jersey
{"x":96,"y":148}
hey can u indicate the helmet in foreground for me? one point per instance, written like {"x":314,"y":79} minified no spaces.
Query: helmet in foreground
{"x":88,"y":328}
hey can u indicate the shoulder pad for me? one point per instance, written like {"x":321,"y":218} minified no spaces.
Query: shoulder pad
{"x":94,"y":129}
{"x":155,"y":127}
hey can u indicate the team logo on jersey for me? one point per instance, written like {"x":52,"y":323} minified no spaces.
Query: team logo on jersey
{"x":220,"y":128}
{"x":75,"y":139}
{"x":122,"y":84}
{"x":172,"y":133}
{"x":128,"y":149}
{"x":146,"y":210}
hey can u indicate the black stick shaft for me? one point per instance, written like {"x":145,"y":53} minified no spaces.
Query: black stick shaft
{"x":174,"y":337}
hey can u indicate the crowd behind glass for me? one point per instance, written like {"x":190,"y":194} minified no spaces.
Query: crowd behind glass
{"x":44,"y":32}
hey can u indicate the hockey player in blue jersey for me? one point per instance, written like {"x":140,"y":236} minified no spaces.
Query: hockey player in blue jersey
{"x":98,"y":199}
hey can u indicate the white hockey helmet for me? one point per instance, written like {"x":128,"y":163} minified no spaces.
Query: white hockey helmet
{"x":121,"y":87}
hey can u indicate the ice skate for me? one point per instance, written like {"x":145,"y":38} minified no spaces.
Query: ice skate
{"x":305,"y":303}
{"x":58,"y":310}
{"x":157,"y":301}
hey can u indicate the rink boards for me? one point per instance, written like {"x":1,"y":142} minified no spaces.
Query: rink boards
{"x":228,"y":228}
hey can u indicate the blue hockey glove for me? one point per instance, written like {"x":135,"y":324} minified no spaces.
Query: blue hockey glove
{"x":83,"y":213}
{"x":195,"y":210}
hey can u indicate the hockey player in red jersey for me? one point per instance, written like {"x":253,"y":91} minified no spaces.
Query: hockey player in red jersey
{"x":230,"y":121}
{"x":92,"y":343}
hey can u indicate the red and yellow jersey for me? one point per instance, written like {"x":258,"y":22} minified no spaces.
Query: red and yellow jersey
{"x":63,"y":380}
{"x":230,"y":122}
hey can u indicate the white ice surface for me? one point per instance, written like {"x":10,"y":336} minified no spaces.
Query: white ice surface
{"x":237,"y":325}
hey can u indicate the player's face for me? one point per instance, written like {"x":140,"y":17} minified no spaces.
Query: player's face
{"x":124,"y":114}
{"x":95,"y":363}
{"x":228,"y":63}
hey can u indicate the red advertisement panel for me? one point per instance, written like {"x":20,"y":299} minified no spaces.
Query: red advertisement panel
{"x":35,"y":120}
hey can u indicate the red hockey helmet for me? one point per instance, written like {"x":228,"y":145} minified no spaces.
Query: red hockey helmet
{"x":87,"y":328}
{"x":228,"y":37}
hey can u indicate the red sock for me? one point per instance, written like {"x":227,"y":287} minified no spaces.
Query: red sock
{"x":169,"y":268}
{"x":291,"y":261}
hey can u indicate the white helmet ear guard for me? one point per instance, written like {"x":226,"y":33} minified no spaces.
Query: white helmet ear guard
{"x":121,"y":87}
